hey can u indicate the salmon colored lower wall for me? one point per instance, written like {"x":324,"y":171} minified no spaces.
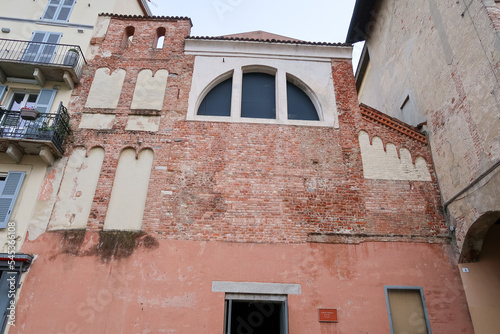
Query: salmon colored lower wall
{"x":165,"y":286}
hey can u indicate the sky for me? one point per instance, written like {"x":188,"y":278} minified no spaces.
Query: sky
{"x":311,"y":20}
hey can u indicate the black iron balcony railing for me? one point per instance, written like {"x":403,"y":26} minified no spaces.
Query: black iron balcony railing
{"x":51,"y":127}
{"x":42,"y":53}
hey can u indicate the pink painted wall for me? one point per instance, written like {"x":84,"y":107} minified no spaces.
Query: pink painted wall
{"x":168,"y":289}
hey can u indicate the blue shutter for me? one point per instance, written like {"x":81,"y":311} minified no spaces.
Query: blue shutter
{"x":65,"y":10}
{"x":51,"y":10}
{"x":9,"y":195}
{"x":33,"y":49}
{"x":5,"y":279}
{"x":45,"y":100}
{"x":58,"y":10}
{"x":39,"y":52}
{"x":3,"y":90}
{"x":47,"y":51}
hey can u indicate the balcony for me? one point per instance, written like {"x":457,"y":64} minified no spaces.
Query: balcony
{"x":37,"y":62}
{"x":44,"y":136}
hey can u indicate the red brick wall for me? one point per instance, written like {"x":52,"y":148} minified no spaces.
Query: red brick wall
{"x":250,"y":182}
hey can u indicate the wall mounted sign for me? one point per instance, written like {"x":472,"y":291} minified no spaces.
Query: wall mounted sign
{"x":328,"y":315}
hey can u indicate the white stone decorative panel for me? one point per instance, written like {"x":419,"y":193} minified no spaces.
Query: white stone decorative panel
{"x":150,"y":90}
{"x":130,"y":187}
{"x":385,"y":164}
{"x":143,"y":123}
{"x":106,"y":88}
{"x":77,"y":190}
{"x":97,"y":121}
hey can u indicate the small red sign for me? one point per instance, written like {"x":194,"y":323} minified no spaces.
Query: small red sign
{"x":328,"y":315}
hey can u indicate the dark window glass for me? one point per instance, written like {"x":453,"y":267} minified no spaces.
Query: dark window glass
{"x":258,"y":96}
{"x":300,"y":106}
{"x":256,"y":317}
{"x":218,"y":101}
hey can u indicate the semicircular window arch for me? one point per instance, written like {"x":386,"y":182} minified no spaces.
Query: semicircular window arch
{"x":299,"y":104}
{"x":259,"y":93}
{"x":217,"y":102}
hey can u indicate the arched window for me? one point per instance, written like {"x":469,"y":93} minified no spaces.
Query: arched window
{"x":300,"y":106}
{"x":160,"y":37}
{"x":218,"y":100}
{"x":127,"y":37}
{"x":258,"y":96}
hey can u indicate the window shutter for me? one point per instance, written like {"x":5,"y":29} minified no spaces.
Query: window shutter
{"x":9,"y":194}
{"x":51,"y":10}
{"x":47,"y":51}
{"x":65,"y":10}
{"x":45,"y":100}
{"x":4,"y":294}
{"x":32,"y":49}
{"x":3,"y":90}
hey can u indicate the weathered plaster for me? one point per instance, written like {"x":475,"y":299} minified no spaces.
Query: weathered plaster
{"x":380,"y":163}
{"x":77,"y":189}
{"x":106,"y":88}
{"x":26,"y":201}
{"x":165,"y":284}
{"x":446,"y":54}
{"x":130,"y":187}
{"x":46,"y":199}
{"x":150,"y":90}
{"x":97,"y":121}
{"x":143,"y":123}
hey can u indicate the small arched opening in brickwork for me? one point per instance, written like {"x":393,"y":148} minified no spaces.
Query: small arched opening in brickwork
{"x":160,"y":37}
{"x":128,"y":36}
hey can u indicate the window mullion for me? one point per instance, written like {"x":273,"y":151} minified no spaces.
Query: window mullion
{"x":281,"y":99}
{"x":236,"y":94}
{"x":229,"y":314}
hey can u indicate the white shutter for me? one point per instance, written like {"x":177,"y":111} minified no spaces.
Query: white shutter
{"x":9,"y":195}
{"x":45,"y":100}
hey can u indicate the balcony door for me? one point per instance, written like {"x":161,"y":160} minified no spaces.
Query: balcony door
{"x":13,"y":125}
{"x":37,"y":51}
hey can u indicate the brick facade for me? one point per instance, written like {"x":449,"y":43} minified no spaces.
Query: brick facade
{"x":236,"y":202}
{"x":249,"y":182}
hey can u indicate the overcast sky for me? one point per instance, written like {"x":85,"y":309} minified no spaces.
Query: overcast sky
{"x":310,"y":20}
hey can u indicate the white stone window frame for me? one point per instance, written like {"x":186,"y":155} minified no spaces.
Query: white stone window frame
{"x":254,"y":291}
{"x":308,"y":67}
